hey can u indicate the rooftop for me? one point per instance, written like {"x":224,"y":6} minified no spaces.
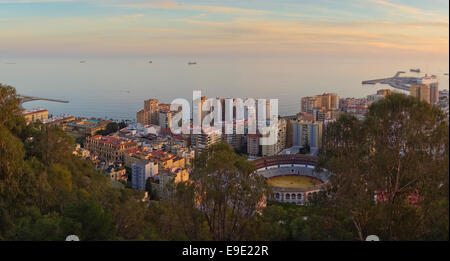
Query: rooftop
{"x":110,"y":140}
{"x":25,"y":112}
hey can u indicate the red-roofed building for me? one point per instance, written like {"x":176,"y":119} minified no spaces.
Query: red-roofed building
{"x":162,"y":158}
{"x":109,"y":148}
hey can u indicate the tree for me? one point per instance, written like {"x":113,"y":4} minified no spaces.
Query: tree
{"x":226,"y":191}
{"x":305,"y":149}
{"x":152,"y":189}
{"x":391,"y":170}
{"x":88,"y":220}
{"x":49,"y":143}
{"x":10,"y":111}
{"x":110,"y":128}
{"x":37,"y":227}
{"x":47,"y":193}
{"x":12,"y":196}
{"x":122,"y":125}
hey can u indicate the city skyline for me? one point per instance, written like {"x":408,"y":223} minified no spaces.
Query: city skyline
{"x":135,"y":27}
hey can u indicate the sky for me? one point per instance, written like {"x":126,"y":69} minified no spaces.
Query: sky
{"x":137,"y":27}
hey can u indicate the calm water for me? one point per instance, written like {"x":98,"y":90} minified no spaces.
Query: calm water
{"x":116,"y":87}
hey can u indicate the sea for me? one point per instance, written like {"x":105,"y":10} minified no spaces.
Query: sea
{"x":116,"y":87}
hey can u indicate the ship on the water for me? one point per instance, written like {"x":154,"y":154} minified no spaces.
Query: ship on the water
{"x":415,"y":70}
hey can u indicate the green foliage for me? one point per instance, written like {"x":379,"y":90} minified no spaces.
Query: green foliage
{"x":226,"y":193}
{"x":88,"y":220}
{"x":34,"y":226}
{"x":398,"y":152}
{"x":305,"y":149}
{"x":48,"y":143}
{"x":47,"y":193}
{"x":401,"y":148}
{"x":152,"y":189}
{"x":10,"y":111}
{"x":110,"y":128}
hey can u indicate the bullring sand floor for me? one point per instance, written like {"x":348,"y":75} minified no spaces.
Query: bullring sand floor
{"x":292,"y":181}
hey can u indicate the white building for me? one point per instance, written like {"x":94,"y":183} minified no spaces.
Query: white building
{"x":280,"y":143}
{"x":139,"y":130}
{"x":140,"y":172}
{"x":206,"y":139}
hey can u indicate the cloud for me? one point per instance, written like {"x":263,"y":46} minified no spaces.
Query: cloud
{"x":134,"y":16}
{"x":405,"y":9}
{"x":237,"y":30}
{"x":296,"y":35}
{"x":243,"y":35}
{"x":202,"y":8}
{"x":32,"y":1}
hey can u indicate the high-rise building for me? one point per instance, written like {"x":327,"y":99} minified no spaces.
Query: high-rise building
{"x":164,"y":106}
{"x":151,"y":104}
{"x":309,"y":103}
{"x":142,"y":117}
{"x":253,"y":146}
{"x":140,"y":172}
{"x":427,"y":89}
{"x":280,"y":144}
{"x":152,"y":107}
{"x":324,"y":102}
{"x":197,"y":109}
{"x":434,"y":93}
{"x":330,"y":101}
{"x":305,"y":132}
{"x":235,"y":140}
{"x":165,"y":119}
{"x":421,"y":91}
{"x":150,"y":113}
{"x":206,"y":139}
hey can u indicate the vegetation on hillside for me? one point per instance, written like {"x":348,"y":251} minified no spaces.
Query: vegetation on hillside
{"x":390,"y":171}
{"x":401,"y":149}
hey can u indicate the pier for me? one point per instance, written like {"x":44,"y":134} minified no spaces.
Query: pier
{"x":24,"y":99}
{"x":402,"y":83}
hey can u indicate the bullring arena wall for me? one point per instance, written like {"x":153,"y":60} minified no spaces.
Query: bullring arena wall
{"x":292,"y":165}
